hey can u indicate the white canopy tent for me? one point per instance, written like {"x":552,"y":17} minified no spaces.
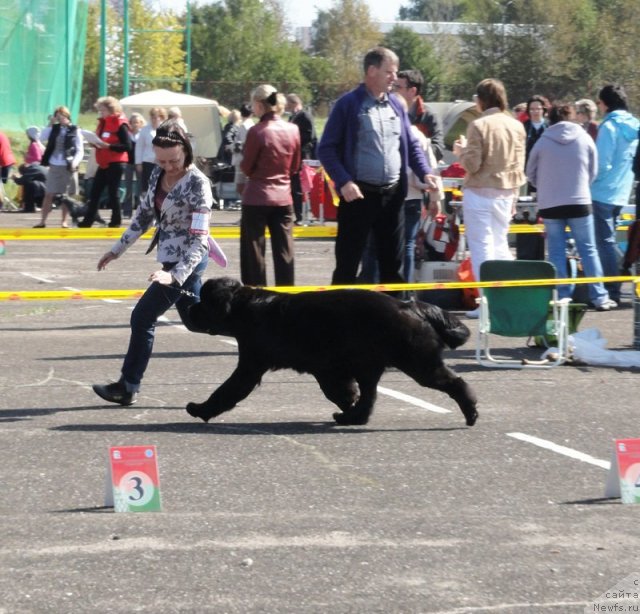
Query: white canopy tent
{"x":201,"y":115}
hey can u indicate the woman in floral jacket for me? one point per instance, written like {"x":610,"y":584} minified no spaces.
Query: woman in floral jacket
{"x":179,"y":200}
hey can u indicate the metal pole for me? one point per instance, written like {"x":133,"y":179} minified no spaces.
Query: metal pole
{"x":67,"y":59}
{"x":125,"y":66}
{"x":102,"y":78}
{"x":636,"y":309}
{"x":188,"y":35}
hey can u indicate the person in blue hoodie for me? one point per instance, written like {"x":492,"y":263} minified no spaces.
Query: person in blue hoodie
{"x":616,"y":143}
{"x":562,"y":164}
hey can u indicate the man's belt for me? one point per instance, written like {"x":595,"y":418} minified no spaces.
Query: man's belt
{"x":377,"y":189}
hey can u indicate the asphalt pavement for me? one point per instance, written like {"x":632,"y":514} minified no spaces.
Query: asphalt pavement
{"x":271,"y":508}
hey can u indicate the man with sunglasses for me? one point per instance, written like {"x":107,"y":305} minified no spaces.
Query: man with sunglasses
{"x":409,"y":85}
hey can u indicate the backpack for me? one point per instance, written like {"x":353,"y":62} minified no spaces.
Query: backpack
{"x":437,"y":239}
{"x":632,"y":253}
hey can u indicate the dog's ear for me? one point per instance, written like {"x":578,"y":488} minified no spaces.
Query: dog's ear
{"x":218,"y":294}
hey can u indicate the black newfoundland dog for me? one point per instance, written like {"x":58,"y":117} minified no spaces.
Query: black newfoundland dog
{"x":344,"y":338}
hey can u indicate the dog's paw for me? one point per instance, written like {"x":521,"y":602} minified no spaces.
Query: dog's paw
{"x":471,"y":416}
{"x":349,"y":420}
{"x":195,"y":410}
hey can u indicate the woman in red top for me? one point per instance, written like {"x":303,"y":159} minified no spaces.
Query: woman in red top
{"x":7,"y":159}
{"x":112,"y":154}
{"x":271,"y":156}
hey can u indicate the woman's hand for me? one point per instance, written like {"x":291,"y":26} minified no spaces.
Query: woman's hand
{"x":105,"y":260}
{"x":162,"y":277}
{"x":459,"y":144}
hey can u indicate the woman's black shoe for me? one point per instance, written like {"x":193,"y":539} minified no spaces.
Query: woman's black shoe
{"x":115,"y":393}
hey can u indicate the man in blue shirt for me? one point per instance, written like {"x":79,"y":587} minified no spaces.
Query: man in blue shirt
{"x":366,"y":149}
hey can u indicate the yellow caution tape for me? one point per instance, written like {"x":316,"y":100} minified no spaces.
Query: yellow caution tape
{"x":65,"y":295}
{"x":53,"y":295}
{"x":218,"y":232}
{"x":455,"y":285}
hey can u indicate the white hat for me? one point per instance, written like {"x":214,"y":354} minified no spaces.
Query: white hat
{"x":33,"y":132}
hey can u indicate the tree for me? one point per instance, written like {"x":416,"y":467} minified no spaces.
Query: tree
{"x":244,"y":41}
{"x":343,"y":34}
{"x":91,"y":58}
{"x":156,"y":59}
{"x":620,"y":47}
{"x":416,"y":53}
{"x":511,"y":43}
{"x":433,"y":10}
{"x":576,"y":44}
{"x":542,"y":46}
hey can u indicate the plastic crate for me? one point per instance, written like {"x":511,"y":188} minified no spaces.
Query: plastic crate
{"x":439,"y":272}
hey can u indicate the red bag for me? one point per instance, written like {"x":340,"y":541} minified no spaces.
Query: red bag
{"x":453,"y":170}
{"x":440,"y":236}
{"x":469,"y":295}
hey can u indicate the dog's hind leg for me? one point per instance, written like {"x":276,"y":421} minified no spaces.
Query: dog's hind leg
{"x":340,"y":389}
{"x":446,"y":380}
{"x":239,"y":385}
{"x":360,"y":412}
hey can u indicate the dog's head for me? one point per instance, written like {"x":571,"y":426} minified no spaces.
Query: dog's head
{"x":212,"y":312}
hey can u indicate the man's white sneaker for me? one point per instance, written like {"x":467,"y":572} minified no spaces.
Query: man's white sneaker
{"x":474,"y":315}
{"x":607,"y":305}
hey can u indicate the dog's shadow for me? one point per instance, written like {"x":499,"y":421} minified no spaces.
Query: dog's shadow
{"x":244,"y":428}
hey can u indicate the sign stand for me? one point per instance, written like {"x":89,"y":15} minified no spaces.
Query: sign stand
{"x":623,"y":479}
{"x":132,"y":482}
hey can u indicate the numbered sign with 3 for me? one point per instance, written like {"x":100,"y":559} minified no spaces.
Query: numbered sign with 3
{"x":135,"y":479}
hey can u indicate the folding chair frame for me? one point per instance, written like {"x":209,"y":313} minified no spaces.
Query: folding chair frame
{"x":560,"y":314}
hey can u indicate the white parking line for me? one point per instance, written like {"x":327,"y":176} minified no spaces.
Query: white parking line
{"x":44,"y":280}
{"x":554,"y":447}
{"x":401,"y":396}
{"x":104,"y":300}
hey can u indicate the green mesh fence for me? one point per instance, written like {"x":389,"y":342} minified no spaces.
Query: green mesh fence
{"x":42,"y":45}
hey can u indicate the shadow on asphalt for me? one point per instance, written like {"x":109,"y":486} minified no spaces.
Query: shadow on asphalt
{"x":171,"y":355}
{"x":598,"y":501}
{"x":31,"y":329}
{"x":242,"y":428}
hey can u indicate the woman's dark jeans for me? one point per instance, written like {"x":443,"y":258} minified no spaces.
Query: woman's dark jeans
{"x":154,"y":302}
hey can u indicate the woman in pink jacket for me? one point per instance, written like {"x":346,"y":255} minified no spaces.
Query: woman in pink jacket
{"x":271,"y":156}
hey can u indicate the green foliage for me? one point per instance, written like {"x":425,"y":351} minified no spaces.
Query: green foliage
{"x":415,"y":52}
{"x":576,"y":50}
{"x":91,"y":58}
{"x":342,"y":35}
{"x":564,"y":50}
{"x":619,"y":51}
{"x":155,"y":59}
{"x":433,"y":10}
{"x":240,"y":41}
{"x":534,"y":46}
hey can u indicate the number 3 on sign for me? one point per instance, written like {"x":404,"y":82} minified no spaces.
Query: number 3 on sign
{"x":133,"y":477}
{"x":137,"y":488}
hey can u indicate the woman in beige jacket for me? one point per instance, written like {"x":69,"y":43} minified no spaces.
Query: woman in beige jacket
{"x":492,"y":155}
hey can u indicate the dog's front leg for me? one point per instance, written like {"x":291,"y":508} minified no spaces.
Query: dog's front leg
{"x":361,"y":410}
{"x":239,"y":385}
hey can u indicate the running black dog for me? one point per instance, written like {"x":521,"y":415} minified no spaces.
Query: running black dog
{"x":344,"y":338}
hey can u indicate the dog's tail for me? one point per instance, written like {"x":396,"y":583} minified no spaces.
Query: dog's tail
{"x":450,"y":329}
